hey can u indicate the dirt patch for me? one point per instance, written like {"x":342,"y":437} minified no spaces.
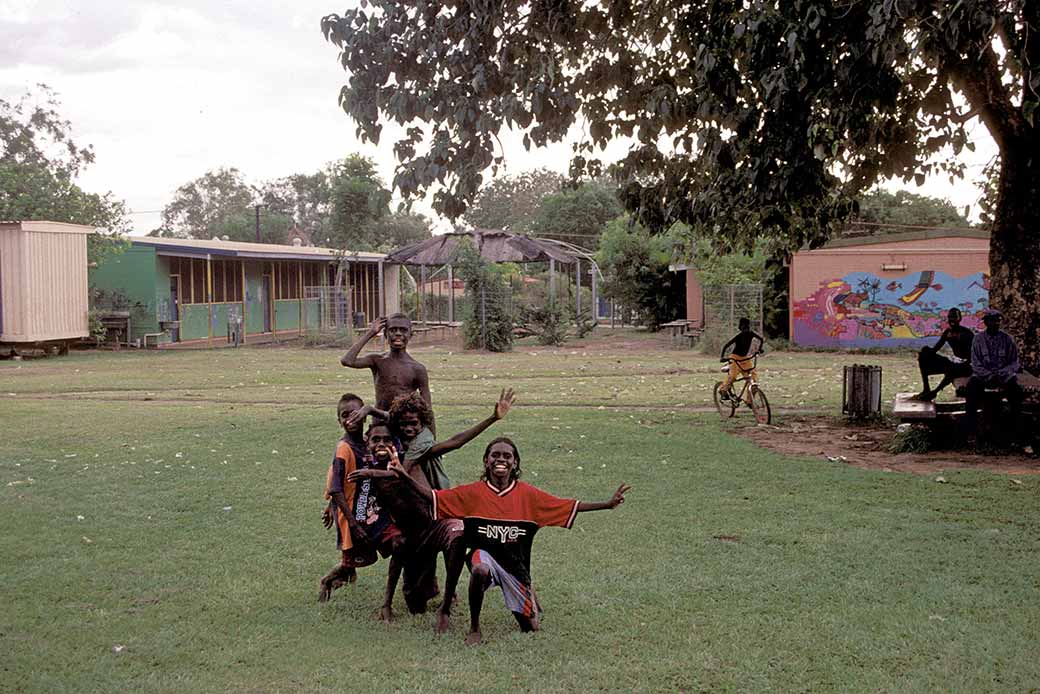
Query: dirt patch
{"x":866,"y":446}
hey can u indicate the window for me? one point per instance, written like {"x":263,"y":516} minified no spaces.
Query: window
{"x":218,"y":281}
{"x":198,"y":281}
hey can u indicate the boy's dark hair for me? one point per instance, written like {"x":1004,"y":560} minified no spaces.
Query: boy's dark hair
{"x":348,"y":397}
{"x":954,"y":311}
{"x":744,"y":323}
{"x":516,"y":456}
{"x":400,"y":316}
{"x":376,"y":423}
{"x":409,"y":402}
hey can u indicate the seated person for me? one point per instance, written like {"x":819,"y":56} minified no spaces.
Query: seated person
{"x":994,"y":364}
{"x":958,"y":366}
{"x":741,"y":358}
{"x":501,"y":516}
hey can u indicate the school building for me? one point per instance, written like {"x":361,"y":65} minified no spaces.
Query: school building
{"x":192,"y":291}
{"x":890,"y":290}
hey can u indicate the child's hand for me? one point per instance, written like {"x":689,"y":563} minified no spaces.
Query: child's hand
{"x":505,"y":401}
{"x":395,"y":467}
{"x":326,"y":517}
{"x":357,"y":416}
{"x":377,"y":326}
{"x":619,"y":495}
{"x":358,"y":475}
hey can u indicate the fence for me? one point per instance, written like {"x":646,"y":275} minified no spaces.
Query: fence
{"x":329,"y":309}
{"x":724,"y":306}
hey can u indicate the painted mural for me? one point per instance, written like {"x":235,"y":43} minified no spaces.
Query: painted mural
{"x":864,"y":310}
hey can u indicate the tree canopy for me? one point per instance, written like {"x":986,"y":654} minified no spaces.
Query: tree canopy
{"x":576,"y":216}
{"x":39,"y":165}
{"x":909,"y":209}
{"x":746,"y":118}
{"x":510,"y":202}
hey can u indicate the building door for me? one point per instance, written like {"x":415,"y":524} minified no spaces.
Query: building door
{"x":175,"y":308}
{"x":265,"y":301}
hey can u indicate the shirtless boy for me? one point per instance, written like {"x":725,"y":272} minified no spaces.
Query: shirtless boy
{"x":395,"y":372}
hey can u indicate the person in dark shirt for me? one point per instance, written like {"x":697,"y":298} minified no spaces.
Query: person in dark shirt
{"x":994,"y":364}
{"x":932,"y":363}
{"x":741,"y":359}
{"x":501,"y":516}
{"x":354,"y":509}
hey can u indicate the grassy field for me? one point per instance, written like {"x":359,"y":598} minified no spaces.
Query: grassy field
{"x":168,"y":503}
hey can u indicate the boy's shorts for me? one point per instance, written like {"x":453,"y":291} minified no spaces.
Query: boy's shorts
{"x":420,"y":567}
{"x":520,"y":598}
{"x":363,"y":553}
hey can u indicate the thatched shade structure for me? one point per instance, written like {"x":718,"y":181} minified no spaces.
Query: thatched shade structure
{"x":494,"y":246}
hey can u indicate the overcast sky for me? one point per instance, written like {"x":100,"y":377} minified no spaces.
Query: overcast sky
{"x":166,"y":91}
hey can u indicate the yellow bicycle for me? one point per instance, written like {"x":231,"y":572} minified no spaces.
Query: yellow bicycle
{"x":750,"y":393}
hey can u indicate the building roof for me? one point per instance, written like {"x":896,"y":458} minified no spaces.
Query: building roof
{"x":494,"y":245}
{"x":242,"y":249}
{"x":921,"y":234}
{"x":47,"y":227}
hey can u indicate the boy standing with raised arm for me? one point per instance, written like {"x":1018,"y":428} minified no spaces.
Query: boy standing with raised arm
{"x":395,"y":372}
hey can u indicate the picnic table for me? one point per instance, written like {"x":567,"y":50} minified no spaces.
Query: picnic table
{"x":683,"y":332}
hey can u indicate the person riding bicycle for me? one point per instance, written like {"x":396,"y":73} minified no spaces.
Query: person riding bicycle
{"x":741,"y":359}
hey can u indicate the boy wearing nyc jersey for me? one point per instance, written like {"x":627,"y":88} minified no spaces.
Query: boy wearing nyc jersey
{"x":501,"y":516}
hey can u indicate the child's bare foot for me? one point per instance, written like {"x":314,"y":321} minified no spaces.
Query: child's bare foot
{"x":473,"y":638}
{"x":442,"y":623}
{"x":386,"y":614}
{"x":324,"y":590}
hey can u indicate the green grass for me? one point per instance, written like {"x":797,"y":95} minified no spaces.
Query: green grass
{"x":825,"y":577}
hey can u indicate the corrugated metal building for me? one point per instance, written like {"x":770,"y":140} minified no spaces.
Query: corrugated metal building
{"x":186,"y":290}
{"x":43,"y":282}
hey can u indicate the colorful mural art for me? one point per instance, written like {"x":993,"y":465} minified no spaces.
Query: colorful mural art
{"x":864,"y":310}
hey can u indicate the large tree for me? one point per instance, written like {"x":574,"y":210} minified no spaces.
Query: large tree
{"x":360,"y":200}
{"x":511,"y":202}
{"x":748,"y":118}
{"x":39,"y":165}
{"x":578,"y":215}
{"x":220,"y":203}
{"x":903,"y":208}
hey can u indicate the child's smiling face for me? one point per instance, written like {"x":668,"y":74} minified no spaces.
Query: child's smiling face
{"x":379,"y":442}
{"x":500,"y":463}
{"x":410,"y":425}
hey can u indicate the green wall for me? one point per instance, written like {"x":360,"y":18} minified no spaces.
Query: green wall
{"x":132,"y":274}
{"x":287,"y":314}
{"x":254,"y":310}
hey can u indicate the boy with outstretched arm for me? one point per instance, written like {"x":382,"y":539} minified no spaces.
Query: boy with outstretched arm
{"x":412,"y":512}
{"x":741,"y":359}
{"x":501,"y":516}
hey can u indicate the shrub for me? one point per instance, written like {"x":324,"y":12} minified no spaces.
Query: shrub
{"x":488,"y":319}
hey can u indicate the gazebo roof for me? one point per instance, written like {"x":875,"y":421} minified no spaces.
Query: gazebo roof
{"x":494,"y":245}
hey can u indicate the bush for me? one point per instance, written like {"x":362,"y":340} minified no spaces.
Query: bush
{"x":916,"y":439}
{"x":548,"y":323}
{"x":635,"y":265}
{"x":488,"y":319}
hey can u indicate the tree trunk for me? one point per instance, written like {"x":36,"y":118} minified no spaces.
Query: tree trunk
{"x":1014,"y":250}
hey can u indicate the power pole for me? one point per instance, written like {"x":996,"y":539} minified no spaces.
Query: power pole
{"x":258,"y":223}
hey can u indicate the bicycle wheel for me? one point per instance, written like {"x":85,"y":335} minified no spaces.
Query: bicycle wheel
{"x":726,"y":407}
{"x":760,"y":406}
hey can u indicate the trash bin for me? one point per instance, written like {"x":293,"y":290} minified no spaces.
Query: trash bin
{"x":359,"y":319}
{"x":861,"y":391}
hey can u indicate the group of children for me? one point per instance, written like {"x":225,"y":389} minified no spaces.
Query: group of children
{"x":388,"y":495}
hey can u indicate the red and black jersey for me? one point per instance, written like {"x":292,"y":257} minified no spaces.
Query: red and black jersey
{"x":504,"y":523}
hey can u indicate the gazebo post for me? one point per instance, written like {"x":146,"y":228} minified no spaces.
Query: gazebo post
{"x":577,"y":290}
{"x":421,"y":308}
{"x":595,"y":296}
{"x":451,"y":293}
{"x":552,"y":282}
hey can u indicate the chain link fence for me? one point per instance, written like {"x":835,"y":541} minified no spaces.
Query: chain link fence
{"x":327,"y":310}
{"x":724,"y":306}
